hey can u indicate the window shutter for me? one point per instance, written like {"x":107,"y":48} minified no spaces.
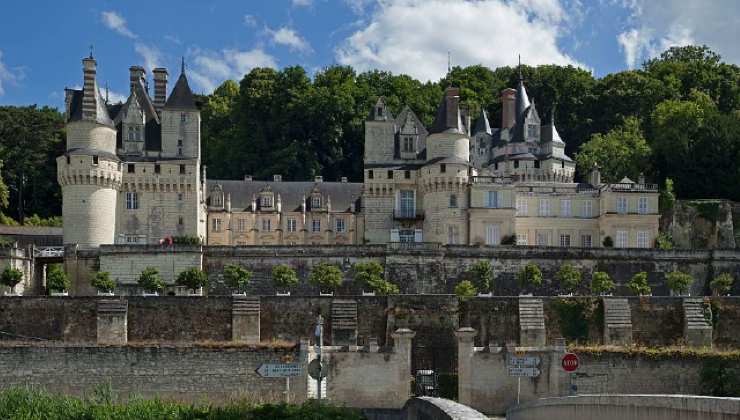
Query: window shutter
{"x":394,"y":235}
{"x":418,"y":235}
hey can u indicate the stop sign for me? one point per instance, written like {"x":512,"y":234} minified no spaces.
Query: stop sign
{"x":570,"y":362}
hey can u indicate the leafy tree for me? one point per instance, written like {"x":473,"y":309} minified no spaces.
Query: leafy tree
{"x":482,"y":276}
{"x":664,"y":241}
{"x":678,"y":282}
{"x":11,"y":277}
{"x":328,"y":277}
{"x":193,"y":278}
{"x":601,"y":283}
{"x":721,"y":285}
{"x":103,"y":282}
{"x":530,"y":276}
{"x":150,"y":280}
{"x":569,"y":278}
{"x":638,"y":284}
{"x":56,"y":278}
{"x":237,"y":277}
{"x":465,"y":290}
{"x":284,"y":277}
{"x":369,"y":276}
{"x":623,"y":151}
{"x":667,"y":196}
{"x":4,"y":192}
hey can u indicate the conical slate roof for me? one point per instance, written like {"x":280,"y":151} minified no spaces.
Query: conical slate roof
{"x":448,"y":117}
{"x":482,"y":124}
{"x":181,"y":96}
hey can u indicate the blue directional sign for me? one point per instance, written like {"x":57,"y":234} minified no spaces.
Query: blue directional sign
{"x":279,"y":370}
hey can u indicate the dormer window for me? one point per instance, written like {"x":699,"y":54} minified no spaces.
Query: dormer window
{"x":131,"y":134}
{"x":316,"y":202}
{"x":409,"y":145}
{"x":533,"y":131}
{"x":218,"y":200}
{"x":380,"y":111}
{"x":266,"y":201}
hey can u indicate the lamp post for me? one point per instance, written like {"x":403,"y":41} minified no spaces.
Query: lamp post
{"x":319,"y":333}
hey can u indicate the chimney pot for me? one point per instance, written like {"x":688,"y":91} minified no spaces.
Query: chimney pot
{"x":277,"y":178}
{"x":137,"y":74}
{"x":508,"y":102}
{"x":344,"y":179}
{"x":247,"y":177}
{"x":319,"y":178}
{"x":160,"y":88}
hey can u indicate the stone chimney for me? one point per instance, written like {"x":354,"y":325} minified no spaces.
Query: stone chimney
{"x":247,"y":178}
{"x":137,"y":74}
{"x":641,"y":179}
{"x":594,"y":177}
{"x":277,"y":178}
{"x":160,"y":88}
{"x":344,"y":179}
{"x":508,"y":102}
{"x":318,"y":178}
{"x":90,"y":89}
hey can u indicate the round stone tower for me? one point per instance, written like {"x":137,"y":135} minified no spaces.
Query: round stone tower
{"x":89,"y":172}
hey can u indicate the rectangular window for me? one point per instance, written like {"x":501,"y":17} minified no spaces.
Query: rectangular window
{"x":543,"y":239}
{"x":95,"y":160}
{"x":406,"y":235}
{"x":493,"y":234}
{"x":586,"y":241}
{"x":621,"y":205}
{"x":370,"y":174}
{"x":408,"y":144}
{"x":642,"y":205}
{"x":407,"y":174}
{"x":586,"y":209}
{"x":316,"y":225}
{"x":564,"y":240}
{"x":565,"y":208}
{"x":131,"y":168}
{"x":179,"y":196}
{"x":183,"y":117}
{"x":182,"y":169}
{"x":622,"y":239}
{"x":132,"y":201}
{"x":442,"y":168}
{"x":544,"y":210}
{"x":266,"y":201}
{"x":68,"y":160}
{"x":180,"y":221}
{"x":643,"y":239}
{"x":532,"y":131}
{"x":157,"y":169}
{"x":390,"y":174}
{"x":291,"y":225}
{"x":241,"y":225}
{"x":492,"y":199}
{"x":131,"y":134}
{"x":340,"y":228}
{"x":452,"y":234}
{"x":266,"y":225}
{"x":521,"y":239}
{"x":522,"y":207}
{"x":316,"y":202}
{"x":407,"y":205}
{"x":216,"y":225}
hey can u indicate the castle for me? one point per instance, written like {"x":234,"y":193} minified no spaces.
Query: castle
{"x":132,"y":175}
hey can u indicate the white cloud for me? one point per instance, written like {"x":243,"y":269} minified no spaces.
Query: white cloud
{"x":211,"y":68}
{"x":117,"y":23}
{"x":9,"y":76}
{"x":414,"y":36}
{"x":291,"y":39}
{"x":250,"y":21}
{"x":173,"y":39}
{"x":656,"y":26}
{"x":151,"y":55}
{"x":302,"y":3}
{"x":358,"y":6}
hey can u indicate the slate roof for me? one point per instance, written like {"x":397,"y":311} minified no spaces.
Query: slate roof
{"x":449,"y":118}
{"x":481,"y":124}
{"x":75,"y":108}
{"x":292,"y":194}
{"x":181,"y":96}
{"x":387,"y":115}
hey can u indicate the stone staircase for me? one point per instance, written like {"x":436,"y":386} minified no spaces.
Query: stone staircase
{"x":697,"y":326}
{"x":245,"y":319}
{"x":344,"y":322}
{"x":531,"y":322}
{"x":617,"y":322}
{"x":245,"y":305}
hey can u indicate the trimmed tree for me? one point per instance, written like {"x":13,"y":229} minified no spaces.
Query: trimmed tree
{"x":601,"y":283}
{"x":237,"y":277}
{"x":284,"y":277}
{"x":150,"y":280}
{"x":193,"y":278}
{"x":529,"y":276}
{"x":481,"y":274}
{"x":721,"y":285}
{"x":103,"y":282}
{"x":465,"y":290}
{"x":569,"y":278}
{"x":678,"y":282}
{"x":328,"y":277}
{"x":56,"y":279}
{"x":369,"y":276}
{"x":638,"y":284}
{"x":11,"y":277}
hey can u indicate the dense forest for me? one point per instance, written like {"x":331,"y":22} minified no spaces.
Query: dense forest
{"x":677,"y":117}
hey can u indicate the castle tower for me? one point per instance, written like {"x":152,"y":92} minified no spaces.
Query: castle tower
{"x":89,"y":171}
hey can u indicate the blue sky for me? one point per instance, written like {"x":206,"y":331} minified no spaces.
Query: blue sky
{"x":42,"y":42}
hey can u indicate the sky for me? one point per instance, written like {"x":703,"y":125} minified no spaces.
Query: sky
{"x":42,"y":42}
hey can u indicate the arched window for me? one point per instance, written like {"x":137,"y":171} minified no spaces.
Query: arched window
{"x":453,"y":201}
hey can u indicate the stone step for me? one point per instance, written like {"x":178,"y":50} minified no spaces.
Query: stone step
{"x":245,"y":305}
{"x":112,"y":306}
{"x":531,"y":314}
{"x":694,"y":314}
{"x":344,"y":314}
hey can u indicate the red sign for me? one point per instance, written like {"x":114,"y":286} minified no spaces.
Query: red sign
{"x":570,"y":362}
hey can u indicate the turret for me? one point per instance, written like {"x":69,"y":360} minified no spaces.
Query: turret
{"x":449,"y":133}
{"x":181,"y":122}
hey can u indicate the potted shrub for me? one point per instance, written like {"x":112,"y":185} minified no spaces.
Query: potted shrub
{"x":380,"y":286}
{"x":57,"y":281}
{"x":11,"y":277}
{"x":327,"y":277}
{"x":638,"y":284}
{"x":194,"y":279}
{"x":102,"y":282}
{"x":465,"y":290}
{"x":237,"y":278}
{"x":151,"y":281}
{"x":284,"y":278}
{"x":529,"y":277}
{"x":481,"y":274}
{"x":721,"y":285}
{"x":679,"y":283}
{"x":601,"y":283}
{"x":569,"y":278}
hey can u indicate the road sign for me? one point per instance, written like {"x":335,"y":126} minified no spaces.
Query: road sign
{"x":279,"y":370}
{"x":317,"y":369}
{"x":525,"y":361}
{"x":570,"y":362}
{"x":524,"y":372}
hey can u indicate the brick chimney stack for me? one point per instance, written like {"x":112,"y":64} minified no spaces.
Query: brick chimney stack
{"x":160,"y":88}
{"x":508,"y":102}
{"x":137,"y":74}
{"x":90,"y":89}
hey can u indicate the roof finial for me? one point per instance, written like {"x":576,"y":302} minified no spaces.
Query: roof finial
{"x":182,"y":68}
{"x":520,"y":68}
{"x":91,"y":50}
{"x":106,"y":93}
{"x":449,"y":63}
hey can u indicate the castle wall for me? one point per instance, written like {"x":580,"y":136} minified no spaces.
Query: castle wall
{"x":17,"y":258}
{"x":89,"y":212}
{"x":125,"y":263}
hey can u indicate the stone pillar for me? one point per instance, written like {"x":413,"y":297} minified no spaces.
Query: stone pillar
{"x":245,"y":319}
{"x":344,"y":322}
{"x":112,"y":322}
{"x":697,"y":323}
{"x":531,"y":323}
{"x":402,"y":344}
{"x":465,"y":353}
{"x":617,"y":322}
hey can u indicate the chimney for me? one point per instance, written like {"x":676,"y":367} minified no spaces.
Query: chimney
{"x":228,"y":202}
{"x":277,"y":178}
{"x":594,"y":177}
{"x":508,"y":102}
{"x":160,"y":88}
{"x":279,"y":204}
{"x":137,"y":74}
{"x":641,"y":179}
{"x":68,"y":95}
{"x":90,"y":89}
{"x":247,"y":178}
{"x":344,"y":179}
{"x":318,"y":178}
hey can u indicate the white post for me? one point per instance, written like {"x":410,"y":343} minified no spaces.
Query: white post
{"x":319,"y":341}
